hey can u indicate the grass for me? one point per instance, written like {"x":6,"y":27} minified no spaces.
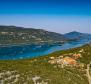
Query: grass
{"x":28,"y":68}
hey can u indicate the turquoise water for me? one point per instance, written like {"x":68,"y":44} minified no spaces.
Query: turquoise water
{"x":29,"y":51}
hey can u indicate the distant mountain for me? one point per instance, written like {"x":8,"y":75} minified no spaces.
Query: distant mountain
{"x":77,"y":36}
{"x":14,"y":35}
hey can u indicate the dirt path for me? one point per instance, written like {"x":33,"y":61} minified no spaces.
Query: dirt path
{"x":87,"y":73}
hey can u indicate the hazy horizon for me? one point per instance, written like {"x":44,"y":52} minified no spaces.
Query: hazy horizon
{"x":61,"y":16}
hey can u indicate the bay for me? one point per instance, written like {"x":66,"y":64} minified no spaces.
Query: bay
{"x":29,"y":51}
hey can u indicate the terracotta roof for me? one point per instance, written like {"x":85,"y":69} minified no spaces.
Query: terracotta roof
{"x":69,"y":60}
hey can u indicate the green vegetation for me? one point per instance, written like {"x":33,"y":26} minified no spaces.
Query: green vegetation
{"x":19,"y":35}
{"x":77,"y":36}
{"x":25,"y":70}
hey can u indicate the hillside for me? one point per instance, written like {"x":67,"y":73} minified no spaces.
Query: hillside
{"x":21,"y":35}
{"x":77,"y":36}
{"x":50,"y":69}
{"x":18,"y":35}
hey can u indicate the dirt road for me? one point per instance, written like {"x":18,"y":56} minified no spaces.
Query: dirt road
{"x":88,"y":73}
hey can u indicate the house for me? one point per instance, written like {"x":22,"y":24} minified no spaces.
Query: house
{"x":52,"y":58}
{"x":61,"y":56}
{"x":76,"y":56}
{"x":63,"y":61}
{"x":55,"y":61}
{"x":68,"y":61}
{"x":82,"y":50}
{"x":52,"y":61}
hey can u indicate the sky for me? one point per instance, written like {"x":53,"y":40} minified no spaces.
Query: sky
{"x":60,"y":16}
